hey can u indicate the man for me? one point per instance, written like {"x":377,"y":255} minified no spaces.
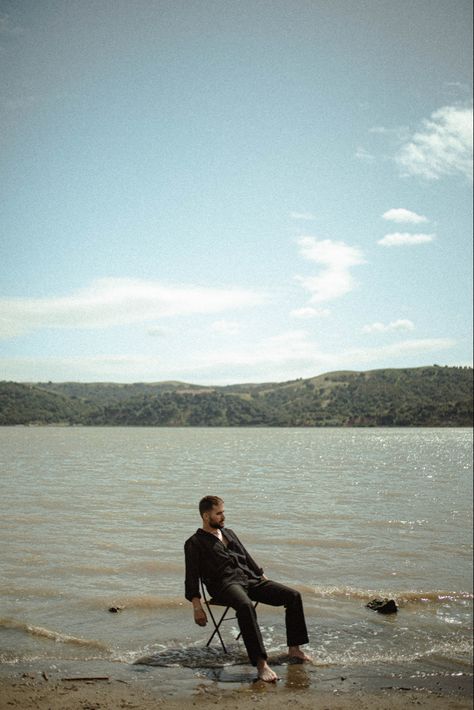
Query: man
{"x":216,"y":555}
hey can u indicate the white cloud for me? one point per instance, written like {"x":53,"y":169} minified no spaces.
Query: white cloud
{"x":337,"y":259}
{"x":286,"y":347}
{"x":334,"y":255}
{"x":118,"y":301}
{"x":156,"y":331}
{"x":363,"y":154}
{"x":398,"y":132}
{"x":295,"y":352}
{"x":398,"y":239}
{"x":309,"y":312}
{"x":286,"y":356}
{"x":442,"y":146}
{"x":307,"y":216}
{"x":401,"y":349}
{"x":225,"y":327}
{"x":400,"y":214}
{"x":114,"y":368}
{"x":396,"y":325}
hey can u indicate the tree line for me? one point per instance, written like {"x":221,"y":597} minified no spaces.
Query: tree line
{"x":425,"y":396}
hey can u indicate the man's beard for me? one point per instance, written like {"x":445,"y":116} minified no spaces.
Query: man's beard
{"x":216,"y":526}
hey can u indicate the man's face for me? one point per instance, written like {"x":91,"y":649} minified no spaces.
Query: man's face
{"x":216,"y":517}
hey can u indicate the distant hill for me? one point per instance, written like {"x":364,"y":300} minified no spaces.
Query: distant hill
{"x":423,"y":396}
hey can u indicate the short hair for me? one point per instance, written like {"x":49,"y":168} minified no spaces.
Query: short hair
{"x":208,"y":502}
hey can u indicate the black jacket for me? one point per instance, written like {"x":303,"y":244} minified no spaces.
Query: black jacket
{"x":217,"y":565}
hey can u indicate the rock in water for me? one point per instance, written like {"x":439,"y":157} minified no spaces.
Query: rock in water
{"x":383,"y":606}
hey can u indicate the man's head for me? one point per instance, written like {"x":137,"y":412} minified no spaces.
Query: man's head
{"x":211,"y":509}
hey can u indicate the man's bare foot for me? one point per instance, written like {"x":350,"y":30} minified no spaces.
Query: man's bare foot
{"x":295,"y":653}
{"x":265,"y":672}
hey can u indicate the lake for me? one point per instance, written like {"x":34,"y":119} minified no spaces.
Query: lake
{"x":97,"y":517}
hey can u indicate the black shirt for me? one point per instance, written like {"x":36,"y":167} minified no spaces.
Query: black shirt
{"x":216,"y":564}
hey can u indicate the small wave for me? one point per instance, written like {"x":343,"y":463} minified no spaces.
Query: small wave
{"x":153,"y":566}
{"x":419,"y":522}
{"x":56,"y":636}
{"x":322,"y":542}
{"x":390,"y":657}
{"x":91,"y":570}
{"x":192,"y":657}
{"x":149,"y":602}
{"x":436,"y":596}
{"x":144,"y":566}
{"x":24,"y":592}
{"x":402,"y":597}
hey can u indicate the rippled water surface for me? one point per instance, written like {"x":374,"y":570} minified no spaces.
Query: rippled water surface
{"x":97,"y":517}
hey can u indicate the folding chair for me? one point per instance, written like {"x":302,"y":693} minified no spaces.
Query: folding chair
{"x":217,"y":624}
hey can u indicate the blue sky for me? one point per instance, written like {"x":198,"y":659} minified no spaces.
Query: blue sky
{"x":221,"y":192}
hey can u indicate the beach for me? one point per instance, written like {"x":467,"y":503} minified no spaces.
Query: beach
{"x":41,"y":691}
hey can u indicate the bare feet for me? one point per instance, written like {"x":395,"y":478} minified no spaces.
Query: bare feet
{"x":265,"y":672}
{"x":295,"y":653}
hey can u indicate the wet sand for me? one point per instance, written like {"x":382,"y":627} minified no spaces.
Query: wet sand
{"x":52,"y":691}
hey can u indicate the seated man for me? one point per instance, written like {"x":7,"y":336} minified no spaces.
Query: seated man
{"x":216,"y":555}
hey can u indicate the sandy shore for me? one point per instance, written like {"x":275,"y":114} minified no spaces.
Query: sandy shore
{"x":25,"y":690}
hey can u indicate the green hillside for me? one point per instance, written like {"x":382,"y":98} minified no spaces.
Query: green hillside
{"x":424,"y":396}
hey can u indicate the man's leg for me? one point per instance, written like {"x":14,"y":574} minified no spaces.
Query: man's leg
{"x":276,"y":594}
{"x":236,"y":596}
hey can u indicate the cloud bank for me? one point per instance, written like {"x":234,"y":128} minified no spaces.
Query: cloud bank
{"x":288,"y":355}
{"x":118,"y":301}
{"x":442,"y":146}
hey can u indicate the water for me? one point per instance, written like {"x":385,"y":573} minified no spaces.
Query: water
{"x":97,"y":517}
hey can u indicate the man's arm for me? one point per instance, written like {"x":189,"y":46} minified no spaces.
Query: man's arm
{"x":192,"y":593}
{"x":200,"y":616}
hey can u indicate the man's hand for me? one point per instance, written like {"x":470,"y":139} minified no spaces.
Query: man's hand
{"x":200,"y":617}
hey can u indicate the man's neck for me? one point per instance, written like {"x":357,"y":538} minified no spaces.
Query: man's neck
{"x":213,"y":531}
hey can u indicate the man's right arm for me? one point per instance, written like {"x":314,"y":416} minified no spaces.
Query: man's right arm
{"x":192,"y":593}
{"x":200,"y":616}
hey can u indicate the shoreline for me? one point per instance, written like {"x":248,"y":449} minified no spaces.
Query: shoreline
{"x":106,"y":685}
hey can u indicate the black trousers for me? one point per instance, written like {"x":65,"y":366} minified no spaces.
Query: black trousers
{"x":241,"y":599}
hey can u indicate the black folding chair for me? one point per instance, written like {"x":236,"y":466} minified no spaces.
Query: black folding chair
{"x":224,"y":617}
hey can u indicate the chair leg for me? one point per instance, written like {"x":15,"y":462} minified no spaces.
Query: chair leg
{"x":216,"y":629}
{"x":218,"y":624}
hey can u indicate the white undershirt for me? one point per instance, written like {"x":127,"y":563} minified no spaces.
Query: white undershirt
{"x":219,"y":534}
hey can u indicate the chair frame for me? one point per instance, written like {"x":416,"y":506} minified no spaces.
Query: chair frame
{"x":217,"y":624}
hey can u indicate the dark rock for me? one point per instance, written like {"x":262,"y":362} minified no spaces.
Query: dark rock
{"x":115,"y":609}
{"x":383,"y":606}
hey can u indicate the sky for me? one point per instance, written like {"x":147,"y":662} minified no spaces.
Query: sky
{"x":219,"y":192}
